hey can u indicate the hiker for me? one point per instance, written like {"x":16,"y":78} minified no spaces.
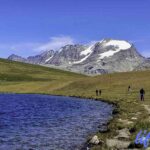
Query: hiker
{"x":129,"y":88}
{"x":100,"y":92}
{"x":96,"y":92}
{"x":142,"y":92}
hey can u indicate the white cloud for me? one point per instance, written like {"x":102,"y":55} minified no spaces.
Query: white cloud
{"x":32,"y":48}
{"x":56,"y":43}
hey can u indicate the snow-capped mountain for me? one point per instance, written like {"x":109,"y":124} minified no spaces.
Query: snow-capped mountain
{"x":106,"y":56}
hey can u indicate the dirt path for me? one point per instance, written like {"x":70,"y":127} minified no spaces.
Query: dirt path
{"x":147,"y":107}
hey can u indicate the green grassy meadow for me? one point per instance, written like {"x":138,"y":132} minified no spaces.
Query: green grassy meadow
{"x":18,"y":77}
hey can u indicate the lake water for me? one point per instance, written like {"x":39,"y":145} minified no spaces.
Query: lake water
{"x":42,"y":122}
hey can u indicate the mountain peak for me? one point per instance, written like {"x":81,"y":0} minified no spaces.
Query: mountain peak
{"x":120,"y":44}
{"x":106,"y":56}
{"x":111,"y":47}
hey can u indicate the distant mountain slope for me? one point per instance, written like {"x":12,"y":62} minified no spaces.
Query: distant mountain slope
{"x":42,"y":58}
{"x":17,"y":58}
{"x":106,"y":56}
{"x":17,"y":71}
{"x":144,"y":66}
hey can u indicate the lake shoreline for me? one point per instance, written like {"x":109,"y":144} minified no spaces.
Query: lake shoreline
{"x":114,"y":113}
{"x":121,"y":121}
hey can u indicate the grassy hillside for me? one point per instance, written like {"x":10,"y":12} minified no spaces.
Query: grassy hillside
{"x":25,"y":78}
{"x":132,"y":112}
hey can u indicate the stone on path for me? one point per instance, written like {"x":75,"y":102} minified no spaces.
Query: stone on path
{"x":117,"y":144}
{"x":147,"y":107}
{"x":123,"y":134}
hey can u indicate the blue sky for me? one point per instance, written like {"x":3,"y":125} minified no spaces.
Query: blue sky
{"x":29,"y":26}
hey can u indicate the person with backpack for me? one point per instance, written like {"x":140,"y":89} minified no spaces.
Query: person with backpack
{"x":142,"y":93}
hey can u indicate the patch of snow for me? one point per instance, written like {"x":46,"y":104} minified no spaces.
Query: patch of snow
{"x":70,"y":63}
{"x":108,"y":53}
{"x":89,"y":49}
{"x":60,"y":49}
{"x":119,"y":45}
{"x":122,"y":45}
{"x":86,"y":52}
{"x":48,"y":59}
{"x":80,"y":61}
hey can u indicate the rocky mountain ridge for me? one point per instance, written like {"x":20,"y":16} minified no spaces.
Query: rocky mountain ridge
{"x":106,"y":56}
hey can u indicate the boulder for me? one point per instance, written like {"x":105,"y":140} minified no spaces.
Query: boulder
{"x":111,"y":143}
{"x":94,"y":140}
